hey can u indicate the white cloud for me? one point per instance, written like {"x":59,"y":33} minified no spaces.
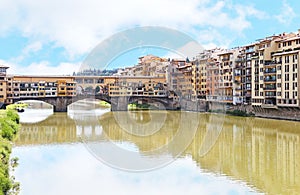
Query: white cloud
{"x":42,"y":68}
{"x":72,"y":170}
{"x":79,"y":25}
{"x":31,"y":48}
{"x":287,"y":14}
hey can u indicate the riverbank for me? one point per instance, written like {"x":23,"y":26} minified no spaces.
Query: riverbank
{"x":281,"y":113}
{"x":9,"y":126}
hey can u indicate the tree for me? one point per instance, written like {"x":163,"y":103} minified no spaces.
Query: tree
{"x":9,"y":125}
{"x":97,"y":90}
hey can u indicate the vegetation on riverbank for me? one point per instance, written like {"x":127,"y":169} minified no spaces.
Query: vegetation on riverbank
{"x":233,"y":112}
{"x":136,"y":106}
{"x":16,"y":106}
{"x":104,"y":104}
{"x":9,"y":126}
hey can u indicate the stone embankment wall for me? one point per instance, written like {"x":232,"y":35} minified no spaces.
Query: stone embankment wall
{"x":279,"y":113}
{"x":196,"y":106}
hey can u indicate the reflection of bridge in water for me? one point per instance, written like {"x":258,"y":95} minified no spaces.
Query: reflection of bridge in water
{"x":262,"y":154}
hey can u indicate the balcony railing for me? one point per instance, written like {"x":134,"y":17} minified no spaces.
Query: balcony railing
{"x":240,"y":60}
{"x":269,"y":63}
{"x":270,"y":79}
{"x":270,"y":88}
{"x":225,"y":59}
{"x":268,"y":71}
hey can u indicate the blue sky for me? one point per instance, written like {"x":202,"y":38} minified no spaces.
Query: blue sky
{"x":54,"y":37}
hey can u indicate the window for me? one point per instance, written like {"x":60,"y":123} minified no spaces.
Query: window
{"x":287,"y":86}
{"x":284,"y":44}
{"x":294,"y":76}
{"x":287,"y":59}
{"x":286,"y":68}
{"x":295,"y":66}
{"x":279,"y":68}
{"x":287,"y":77}
{"x":287,"y":94}
{"x":279,"y":76}
{"x":278,"y":85}
{"x":289,"y":43}
{"x":295,"y":57}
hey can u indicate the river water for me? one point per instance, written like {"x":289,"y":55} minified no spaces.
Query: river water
{"x":155,"y":152}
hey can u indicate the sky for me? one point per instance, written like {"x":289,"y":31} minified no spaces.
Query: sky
{"x":55,"y":36}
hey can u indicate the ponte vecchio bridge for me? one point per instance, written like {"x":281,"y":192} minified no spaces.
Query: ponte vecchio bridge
{"x":61,"y":91}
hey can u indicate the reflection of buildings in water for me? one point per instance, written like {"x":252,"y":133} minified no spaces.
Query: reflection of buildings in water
{"x":247,"y":150}
{"x":262,"y":154}
{"x":58,"y":129}
{"x":55,"y":129}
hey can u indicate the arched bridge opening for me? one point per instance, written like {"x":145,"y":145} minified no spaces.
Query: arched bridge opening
{"x":118,"y":103}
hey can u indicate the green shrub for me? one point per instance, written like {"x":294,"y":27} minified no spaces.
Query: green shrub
{"x":9,"y":125}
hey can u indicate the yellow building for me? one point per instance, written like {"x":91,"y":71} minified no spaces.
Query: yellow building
{"x":137,"y":86}
{"x":200,"y":75}
{"x":3,"y":84}
{"x":39,"y":86}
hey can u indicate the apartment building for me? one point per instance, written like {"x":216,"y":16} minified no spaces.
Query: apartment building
{"x":242,"y":75}
{"x":264,"y":79}
{"x":275,"y":71}
{"x":148,"y":65}
{"x":220,"y":76}
{"x":200,"y":75}
{"x":180,"y":78}
{"x":137,"y":86}
{"x":285,"y":64}
{"x":3,"y":84}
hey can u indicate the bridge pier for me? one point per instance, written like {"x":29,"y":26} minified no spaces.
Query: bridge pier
{"x":119,"y":103}
{"x":61,"y":104}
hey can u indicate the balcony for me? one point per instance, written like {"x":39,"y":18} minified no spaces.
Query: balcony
{"x":270,"y":94}
{"x":270,"y":88}
{"x":270,"y":71}
{"x":240,"y":60}
{"x":269,"y":63}
{"x":270,"y":79}
{"x":225,"y":59}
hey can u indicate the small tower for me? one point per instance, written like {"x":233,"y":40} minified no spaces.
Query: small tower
{"x":3,"y":70}
{"x":3,"y":83}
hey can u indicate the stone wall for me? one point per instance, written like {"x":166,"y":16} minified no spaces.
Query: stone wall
{"x":280,"y":113}
{"x":196,"y":106}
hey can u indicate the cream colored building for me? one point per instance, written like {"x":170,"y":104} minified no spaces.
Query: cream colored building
{"x":275,"y":72}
